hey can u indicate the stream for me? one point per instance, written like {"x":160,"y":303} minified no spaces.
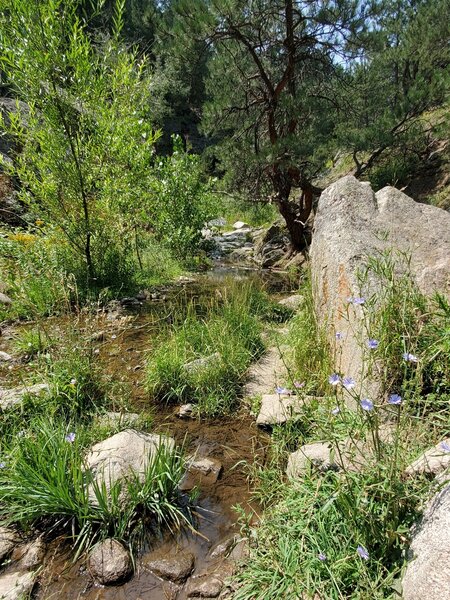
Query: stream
{"x":232,"y":441}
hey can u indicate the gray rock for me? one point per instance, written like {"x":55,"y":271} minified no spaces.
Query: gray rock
{"x":123,"y":454}
{"x":351,"y":224}
{"x":276,"y":409}
{"x":264,"y":375}
{"x":271,"y":246}
{"x":16,"y":585}
{"x":4,"y":299}
{"x":203,"y":586}
{"x":352,"y":456}
{"x":5,"y":357}
{"x":185,"y":411}
{"x":293,"y":302}
{"x":433,"y":462}
{"x":427,"y":575}
{"x":31,"y":555}
{"x":241,"y":551}
{"x":11,"y":397}
{"x":8,"y":541}
{"x":175,"y":568}
{"x":244,"y":254}
{"x":201,"y":363}
{"x":200,"y":471}
{"x":110,"y":562}
{"x":223,"y":548}
{"x":240,"y":225}
{"x":219,"y":222}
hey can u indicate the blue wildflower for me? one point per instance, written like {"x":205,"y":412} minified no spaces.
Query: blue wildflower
{"x":70,"y":437}
{"x":367,"y":404}
{"x":334,"y":379}
{"x":373,"y":344}
{"x":394,"y":399}
{"x":362,"y":552}
{"x":336,"y":410}
{"x":409,"y":357}
{"x":339,"y":335}
{"x":322,"y":556}
{"x":356,"y":300}
{"x":445,"y":446}
{"x":349,"y":383}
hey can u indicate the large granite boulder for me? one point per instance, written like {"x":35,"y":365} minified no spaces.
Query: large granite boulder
{"x":428,"y":573}
{"x":353,"y":223}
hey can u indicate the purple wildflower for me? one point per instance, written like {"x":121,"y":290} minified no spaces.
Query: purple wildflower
{"x":2,"y":465}
{"x":356,"y":300}
{"x":367,"y":404}
{"x":334,"y":379}
{"x":336,"y":410}
{"x":298,"y":384}
{"x":394,"y":399}
{"x":362,"y":552}
{"x":349,"y":383}
{"x":445,"y":446}
{"x":322,"y":556}
{"x":339,"y":335}
{"x":373,"y":344}
{"x":70,"y":437}
{"x":282,"y":390}
{"x":409,"y":357}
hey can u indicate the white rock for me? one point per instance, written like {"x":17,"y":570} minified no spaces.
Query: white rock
{"x":427,"y":576}
{"x":5,"y":357}
{"x":11,"y":397}
{"x":277,"y":409}
{"x":240,"y":225}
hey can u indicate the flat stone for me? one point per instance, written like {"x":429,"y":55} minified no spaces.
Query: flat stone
{"x":11,"y":397}
{"x":276,"y":409}
{"x":16,"y":585}
{"x":203,"y":586}
{"x":264,"y":375}
{"x":293,"y":302}
{"x":5,"y":357}
{"x":427,"y":576}
{"x":110,"y":562}
{"x":8,"y":540}
{"x":200,"y":471}
{"x":352,"y":456}
{"x":433,"y":462}
{"x":176,"y":568}
{"x":123,"y":454}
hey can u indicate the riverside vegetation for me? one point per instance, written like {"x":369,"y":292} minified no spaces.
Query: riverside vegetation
{"x":111,"y":205}
{"x":344,"y":534}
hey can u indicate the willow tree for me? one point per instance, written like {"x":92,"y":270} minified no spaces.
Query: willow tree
{"x":271,"y":85}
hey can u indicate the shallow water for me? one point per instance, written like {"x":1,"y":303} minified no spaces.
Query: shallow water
{"x":234,"y":442}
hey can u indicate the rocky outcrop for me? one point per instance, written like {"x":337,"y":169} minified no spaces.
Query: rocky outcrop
{"x":121,"y":455}
{"x":428,"y":573}
{"x":110,"y":562}
{"x":353,"y":223}
{"x":271,"y":246}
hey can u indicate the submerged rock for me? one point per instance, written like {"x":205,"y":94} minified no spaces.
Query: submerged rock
{"x":110,"y":562}
{"x":176,"y":568}
{"x":11,"y":397}
{"x":427,"y":576}
{"x":204,"y":586}
{"x":200,"y":471}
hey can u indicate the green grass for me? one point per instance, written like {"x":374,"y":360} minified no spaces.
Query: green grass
{"x":45,"y":485}
{"x":229,"y":332}
{"x":333,"y":513}
{"x":32,"y":341}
